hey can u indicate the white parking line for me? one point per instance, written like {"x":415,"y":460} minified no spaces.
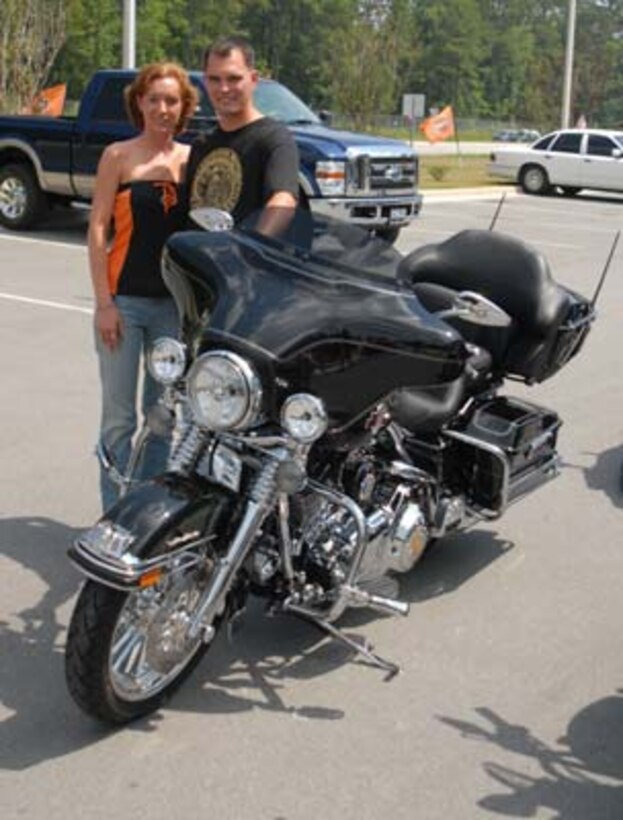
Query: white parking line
{"x":42,"y":241}
{"x":45,"y":303}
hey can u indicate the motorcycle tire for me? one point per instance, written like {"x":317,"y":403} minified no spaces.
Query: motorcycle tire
{"x":127,"y":652}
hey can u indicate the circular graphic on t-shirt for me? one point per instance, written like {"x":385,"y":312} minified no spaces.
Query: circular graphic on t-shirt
{"x":218,"y":181}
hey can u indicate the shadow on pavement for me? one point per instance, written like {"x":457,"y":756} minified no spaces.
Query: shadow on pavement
{"x":43,"y":723}
{"x":606,"y":474}
{"x":267,"y":653}
{"x":581,"y":776}
{"x":249,"y":673}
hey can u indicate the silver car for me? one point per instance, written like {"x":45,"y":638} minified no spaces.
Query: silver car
{"x":570,"y":159}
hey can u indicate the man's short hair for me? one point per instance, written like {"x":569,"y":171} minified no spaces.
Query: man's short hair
{"x":223,"y":47}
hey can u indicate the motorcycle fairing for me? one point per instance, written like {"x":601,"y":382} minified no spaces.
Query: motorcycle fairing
{"x":349,"y":336}
{"x":285,"y":304}
{"x":149,"y":512}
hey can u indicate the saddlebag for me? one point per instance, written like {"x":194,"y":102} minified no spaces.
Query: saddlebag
{"x":506,"y":449}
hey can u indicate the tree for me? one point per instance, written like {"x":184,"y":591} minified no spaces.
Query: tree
{"x":365,"y":58}
{"x":453,"y":48}
{"x":31,"y":35}
{"x":93,"y":41}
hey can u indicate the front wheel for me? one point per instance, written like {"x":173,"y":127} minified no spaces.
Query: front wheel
{"x":22,"y":202}
{"x":128,"y":652}
{"x":534,"y":180}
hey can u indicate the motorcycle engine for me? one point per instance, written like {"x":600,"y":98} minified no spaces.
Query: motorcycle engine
{"x":396,"y":527}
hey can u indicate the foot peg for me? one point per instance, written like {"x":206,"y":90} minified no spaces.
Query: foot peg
{"x":359,"y":597}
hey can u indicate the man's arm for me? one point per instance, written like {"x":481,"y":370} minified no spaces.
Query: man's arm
{"x":280,"y":184}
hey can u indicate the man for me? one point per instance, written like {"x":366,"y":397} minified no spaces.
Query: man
{"x":249,"y":161}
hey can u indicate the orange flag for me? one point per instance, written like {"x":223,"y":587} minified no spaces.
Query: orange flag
{"x":440,"y":126}
{"x":48,"y":102}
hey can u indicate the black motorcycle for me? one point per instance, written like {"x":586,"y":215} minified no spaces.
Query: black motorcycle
{"x":334,"y":409}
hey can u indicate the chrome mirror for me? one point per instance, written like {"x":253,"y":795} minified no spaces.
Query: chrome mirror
{"x":477,"y":309}
{"x":212,"y":219}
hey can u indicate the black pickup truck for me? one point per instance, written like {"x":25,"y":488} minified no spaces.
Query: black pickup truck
{"x":364,"y":179}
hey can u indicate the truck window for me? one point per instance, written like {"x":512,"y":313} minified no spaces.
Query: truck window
{"x":109,"y":106}
{"x":204,"y":106}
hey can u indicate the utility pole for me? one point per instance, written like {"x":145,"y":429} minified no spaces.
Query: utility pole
{"x":129,"y":34}
{"x":568,"y":77}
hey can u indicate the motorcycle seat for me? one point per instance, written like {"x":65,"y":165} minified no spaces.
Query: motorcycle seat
{"x":426,"y":409}
{"x":510,"y":273}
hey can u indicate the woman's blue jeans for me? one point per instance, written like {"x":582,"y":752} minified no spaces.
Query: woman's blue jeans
{"x":144,"y":321}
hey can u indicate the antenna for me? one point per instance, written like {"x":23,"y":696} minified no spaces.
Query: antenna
{"x":497,"y":211}
{"x":606,"y":268}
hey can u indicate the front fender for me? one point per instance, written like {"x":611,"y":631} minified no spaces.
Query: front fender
{"x":116,"y":551}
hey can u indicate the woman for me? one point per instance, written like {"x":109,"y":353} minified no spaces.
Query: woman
{"x":137,"y":188}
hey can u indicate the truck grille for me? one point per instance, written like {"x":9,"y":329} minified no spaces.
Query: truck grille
{"x":382,"y":175}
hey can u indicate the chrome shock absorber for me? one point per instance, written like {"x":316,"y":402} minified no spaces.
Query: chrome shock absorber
{"x":261,"y":499}
{"x":186,"y":452}
{"x":264,"y":488}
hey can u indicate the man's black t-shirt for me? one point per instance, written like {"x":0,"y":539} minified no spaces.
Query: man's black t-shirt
{"x":238,"y":171}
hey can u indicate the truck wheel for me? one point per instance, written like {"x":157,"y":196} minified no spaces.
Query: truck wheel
{"x":389,"y":235}
{"x":22,"y":202}
{"x":534,"y":180}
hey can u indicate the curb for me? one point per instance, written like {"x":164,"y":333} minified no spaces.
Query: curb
{"x":485,"y":191}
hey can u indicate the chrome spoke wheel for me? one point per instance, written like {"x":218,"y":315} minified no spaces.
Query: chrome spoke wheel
{"x":150,"y":643}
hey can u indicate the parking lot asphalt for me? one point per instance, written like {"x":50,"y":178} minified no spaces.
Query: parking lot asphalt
{"x":509,"y":703}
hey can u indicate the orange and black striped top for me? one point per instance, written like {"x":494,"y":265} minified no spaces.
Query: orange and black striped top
{"x":145,"y":214}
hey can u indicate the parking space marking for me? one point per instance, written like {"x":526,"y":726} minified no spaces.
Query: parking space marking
{"x":43,"y":241}
{"x":45,"y":303}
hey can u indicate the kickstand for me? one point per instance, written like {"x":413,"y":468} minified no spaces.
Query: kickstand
{"x":364,"y":649}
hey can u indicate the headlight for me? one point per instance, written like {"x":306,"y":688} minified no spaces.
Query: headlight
{"x":167,"y":360}
{"x":304,"y":417}
{"x":331,"y":178}
{"x":224,"y":391}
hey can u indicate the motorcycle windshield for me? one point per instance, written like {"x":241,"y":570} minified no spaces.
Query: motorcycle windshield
{"x":286,"y":281}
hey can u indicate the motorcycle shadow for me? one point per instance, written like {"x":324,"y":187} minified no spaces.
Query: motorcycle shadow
{"x":40,"y":721}
{"x":580,"y":775}
{"x":606,"y":474}
{"x":254,"y":671}
{"x":270,"y":652}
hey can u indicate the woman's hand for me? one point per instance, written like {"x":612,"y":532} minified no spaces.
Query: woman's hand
{"x":109,"y":325}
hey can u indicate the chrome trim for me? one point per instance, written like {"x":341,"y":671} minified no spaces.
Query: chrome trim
{"x":124,"y":573}
{"x":84,"y":185}
{"x":342,"y":209}
{"x":254,"y":386}
{"x":53,"y":182}
{"x":498,"y":453}
{"x":317,"y":406}
{"x":382,"y":152}
{"x":342,"y":602}
{"x":258,"y":507}
{"x":306,"y":185}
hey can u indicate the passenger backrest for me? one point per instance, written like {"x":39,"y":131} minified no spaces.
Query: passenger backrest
{"x":510,"y":273}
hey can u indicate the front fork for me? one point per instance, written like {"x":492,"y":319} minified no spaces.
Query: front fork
{"x":260,"y":504}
